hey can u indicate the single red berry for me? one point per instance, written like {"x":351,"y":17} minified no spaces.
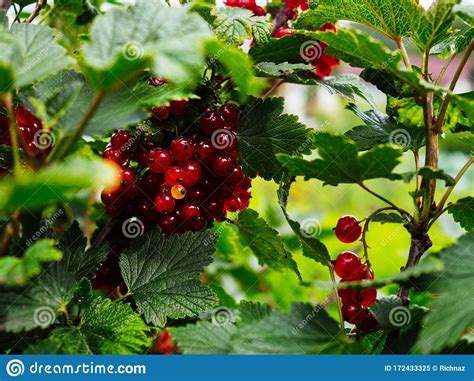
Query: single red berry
{"x":283,"y":31}
{"x":230,"y":115}
{"x":178,"y":108}
{"x":174,"y":175}
{"x":244,"y":203}
{"x":232,"y":3}
{"x":232,"y":204}
{"x":120,"y":139}
{"x":214,"y":208}
{"x":368,"y":322}
{"x":109,"y":198}
{"x":363,"y":273}
{"x":348,"y":265}
{"x":156,"y":81}
{"x":182,"y":148}
{"x":159,"y":160}
{"x":144,"y":210}
{"x":195,"y":194}
{"x":25,"y":118}
{"x":210,"y":122}
{"x":350,"y":312}
{"x":204,"y":151}
{"x":348,"y":229}
{"x":164,"y":203}
{"x":117,"y":156}
{"x":223,"y":165}
{"x":236,"y":177}
{"x":328,"y":26}
{"x":169,"y":223}
{"x":242,"y":191}
{"x":151,"y":183}
{"x":192,"y":173}
{"x":259,"y":11}
{"x":127,"y":176}
{"x":198,"y":224}
{"x":366,"y":296}
{"x":161,"y":113}
{"x":190,"y":210}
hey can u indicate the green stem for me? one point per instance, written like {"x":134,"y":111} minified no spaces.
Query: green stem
{"x":443,"y":70}
{"x":404,"y":53}
{"x":80,"y":128}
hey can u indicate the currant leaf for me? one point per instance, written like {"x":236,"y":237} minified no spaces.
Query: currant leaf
{"x":463,"y":213}
{"x":161,"y":275}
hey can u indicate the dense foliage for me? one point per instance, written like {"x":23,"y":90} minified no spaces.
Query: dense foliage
{"x":130,"y":136}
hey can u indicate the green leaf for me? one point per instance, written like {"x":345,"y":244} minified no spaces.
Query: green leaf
{"x":161,"y":274}
{"x":453,"y":44}
{"x":15,"y":271}
{"x":434,"y":25}
{"x":264,"y":131}
{"x":280,"y":50}
{"x":387,"y":218}
{"x":388,"y":83}
{"x":235,"y":25}
{"x":283,"y":69}
{"x":251,"y":312}
{"x":430,"y":173}
{"x":56,"y":183}
{"x":124,"y":42}
{"x":10,"y":59}
{"x":341,"y":163}
{"x":451,"y":313}
{"x":465,"y":12}
{"x":380,"y":129}
{"x":238,"y":66}
{"x":391,"y":17}
{"x":463,"y":213}
{"x":305,"y":329}
{"x":40,"y":53}
{"x":204,"y":337}
{"x":106,"y":327}
{"x":265,"y":242}
{"x":312,"y":247}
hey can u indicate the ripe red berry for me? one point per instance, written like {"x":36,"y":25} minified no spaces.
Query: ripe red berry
{"x":182,"y":148}
{"x":348,"y":229}
{"x":151,"y":183}
{"x":159,"y":160}
{"x":223,"y":165}
{"x":214,"y":208}
{"x":283,"y":31}
{"x":174,"y":175}
{"x":195,"y":194}
{"x":161,"y":113}
{"x":143,"y":209}
{"x":109,"y":198}
{"x":204,"y":151}
{"x":368,"y":322}
{"x":127,"y":176}
{"x":178,"y":108}
{"x":117,"y":156}
{"x":197,"y":224}
{"x":350,"y":312}
{"x":25,"y":118}
{"x":225,"y":141}
{"x":164,"y":203}
{"x":366,"y":296}
{"x":190,"y":210}
{"x":230,"y":115}
{"x":259,"y":11}
{"x":236,"y":177}
{"x":348,"y":265}
{"x":120,"y":139}
{"x":232,"y":204}
{"x":169,"y":223}
{"x":192,"y":173}
{"x":210,"y":122}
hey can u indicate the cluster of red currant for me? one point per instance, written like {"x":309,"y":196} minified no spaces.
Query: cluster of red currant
{"x":349,"y":267}
{"x":295,"y":4}
{"x":251,"y":5}
{"x":37,"y":141}
{"x":180,"y":183}
{"x":322,"y":62}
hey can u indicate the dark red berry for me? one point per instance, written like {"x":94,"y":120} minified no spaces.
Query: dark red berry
{"x":230,"y":115}
{"x":120,"y":139}
{"x":169,"y":223}
{"x":161,"y":113}
{"x":190,"y":210}
{"x":195,"y":194}
{"x":223,"y":165}
{"x":198,"y":223}
{"x":159,"y":160}
{"x":232,"y":204}
{"x":210,"y":122}
{"x":192,"y":173}
{"x":368,"y":322}
{"x":204,"y":151}
{"x":350,"y":312}
{"x":117,"y":156}
{"x":348,"y":229}
{"x":182,"y":148}
{"x":143,"y":209}
{"x":366,"y":296}
{"x":348,"y":265}
{"x":151,"y":182}
{"x":127,"y":176}
{"x":174,"y":175}
{"x":178,"y":108}
{"x":109,"y":198}
{"x":164,"y":203}
{"x":214,"y":208}
{"x":236,"y":177}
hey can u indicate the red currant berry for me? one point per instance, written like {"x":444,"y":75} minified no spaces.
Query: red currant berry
{"x":178,"y":108}
{"x":223,"y":166}
{"x":236,"y":177}
{"x":230,"y":115}
{"x":241,"y":191}
{"x":214,"y":208}
{"x":161,"y":113}
{"x":182,"y":148}
{"x":363,"y":273}
{"x":348,"y":265}
{"x":143,"y":209}
{"x":366,"y":296}
{"x":164,"y":203}
{"x":225,"y":141}
{"x":132,"y":190}
{"x":127,"y":176}
{"x":198,"y":224}
{"x":232,"y":204}
{"x":109,"y":198}
{"x":192,"y":173}
{"x":156,"y":81}
{"x":195,"y":194}
{"x":283,"y":31}
{"x":204,"y":151}
{"x":210,"y":122}
{"x":368,"y":322}
{"x":174,"y":175}
{"x":151,"y":183}
{"x":159,"y":160}
{"x":117,"y":156}
{"x":120,"y":139}
{"x":190,"y":210}
{"x":259,"y":11}
{"x":169,"y":223}
{"x":25,"y":118}
{"x":348,"y":229}
{"x":350,"y":312}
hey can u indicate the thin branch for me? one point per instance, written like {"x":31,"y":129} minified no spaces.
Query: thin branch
{"x":39,"y":6}
{"x":444,"y":68}
{"x":404,"y":53}
{"x":444,"y":105}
